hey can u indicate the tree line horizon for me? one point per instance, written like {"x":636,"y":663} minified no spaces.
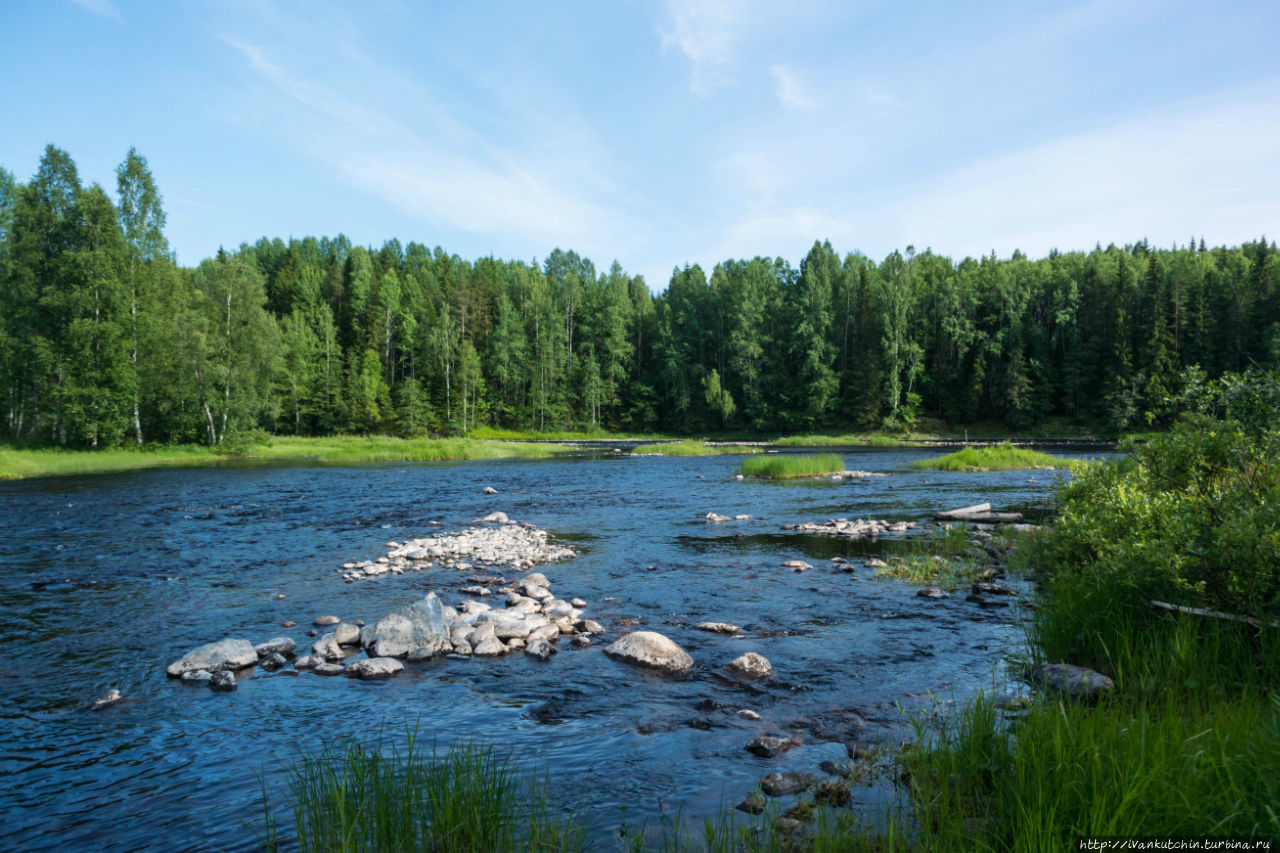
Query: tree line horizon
{"x":106,"y":341}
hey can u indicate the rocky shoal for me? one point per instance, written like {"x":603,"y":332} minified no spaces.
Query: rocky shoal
{"x":495,"y":543}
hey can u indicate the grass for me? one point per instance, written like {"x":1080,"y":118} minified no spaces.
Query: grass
{"x":20,"y":463}
{"x":781,"y":467}
{"x":359,"y":797}
{"x":1001,"y":457}
{"x":691,"y":447}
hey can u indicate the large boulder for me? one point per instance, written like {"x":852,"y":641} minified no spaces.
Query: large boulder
{"x":651,"y":649}
{"x":224,"y":654}
{"x":415,"y":632}
{"x":1077,"y":682}
{"x":374,"y":669}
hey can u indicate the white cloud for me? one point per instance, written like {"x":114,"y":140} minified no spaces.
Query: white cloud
{"x":707,"y":32}
{"x":101,"y":8}
{"x":791,"y":89}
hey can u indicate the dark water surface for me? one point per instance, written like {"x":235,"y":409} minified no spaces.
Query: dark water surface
{"x":106,"y":579}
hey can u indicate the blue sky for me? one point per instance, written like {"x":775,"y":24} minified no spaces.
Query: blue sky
{"x":660,"y":133}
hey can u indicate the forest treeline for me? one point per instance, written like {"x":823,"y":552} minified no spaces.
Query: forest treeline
{"x":105,"y":340}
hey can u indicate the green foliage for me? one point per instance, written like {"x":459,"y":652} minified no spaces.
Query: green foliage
{"x":691,"y":447}
{"x":785,"y":466}
{"x":1001,"y":457}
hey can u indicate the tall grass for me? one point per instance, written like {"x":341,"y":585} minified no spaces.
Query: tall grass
{"x":1001,"y":457}
{"x":692,"y":447}
{"x":361,"y":797}
{"x":780,"y":466}
{"x":19,"y":463}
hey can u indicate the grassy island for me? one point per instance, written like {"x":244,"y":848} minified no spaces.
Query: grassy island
{"x":784,"y":467}
{"x":1001,"y":457}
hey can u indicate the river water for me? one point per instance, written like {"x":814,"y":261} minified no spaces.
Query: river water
{"x":106,"y":579}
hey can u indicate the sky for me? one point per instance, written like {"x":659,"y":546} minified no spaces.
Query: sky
{"x":663,"y":133}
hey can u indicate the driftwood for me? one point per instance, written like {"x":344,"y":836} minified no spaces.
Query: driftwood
{"x":1214,"y":614}
{"x":979,"y":514}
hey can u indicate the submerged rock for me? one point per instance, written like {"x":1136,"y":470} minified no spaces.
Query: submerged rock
{"x":1077,"y":682}
{"x":769,"y":746}
{"x":106,"y":700}
{"x":717,"y":627}
{"x":222,"y":681}
{"x":782,"y":784}
{"x":224,"y":654}
{"x":750,"y":666}
{"x":653,"y":650}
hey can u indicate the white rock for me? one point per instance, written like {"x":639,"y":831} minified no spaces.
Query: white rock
{"x":374,"y":669}
{"x":651,"y":649}
{"x":224,"y":654}
{"x":278,"y":646}
{"x":751,"y":666}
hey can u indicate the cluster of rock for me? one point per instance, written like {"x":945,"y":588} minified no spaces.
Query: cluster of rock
{"x":717,"y":518}
{"x":855,"y":475}
{"x":500,"y":543}
{"x":857,"y":528}
{"x":214,"y":664}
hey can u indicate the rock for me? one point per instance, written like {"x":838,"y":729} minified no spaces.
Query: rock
{"x":518,"y":628}
{"x":782,"y":784}
{"x":986,"y":602}
{"x":651,"y":649}
{"x":326,"y":621}
{"x":581,"y":641}
{"x":753,"y":804}
{"x":347,"y":634}
{"x":374,"y":669}
{"x":748,"y":714}
{"x":750,"y":666}
{"x":197,"y":676}
{"x":986,"y":588}
{"x":537,"y":579}
{"x":769,"y":746}
{"x":329,"y":669}
{"x":288,"y":623}
{"x":462,"y":648}
{"x":716,"y":518}
{"x":327,"y":647}
{"x":788,"y":826}
{"x":306,"y":662}
{"x":224,"y":654}
{"x":539,"y":648}
{"x":742,"y":517}
{"x":838,"y":560}
{"x":589,"y":626}
{"x":490,"y":490}
{"x":932,"y":592}
{"x":550,"y":633}
{"x":273,"y":662}
{"x":496,"y":517}
{"x":222,"y":681}
{"x":833,"y":794}
{"x":1077,"y":682}
{"x":277,"y":646}
{"x":797,"y":565}
{"x":578,"y":603}
{"x":717,"y":627}
{"x":843,"y":769}
{"x":485,"y":644}
{"x":476,"y":590}
{"x":106,"y":700}
{"x":515,"y":644}
{"x":416,"y":632}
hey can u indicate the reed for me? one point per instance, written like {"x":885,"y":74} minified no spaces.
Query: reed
{"x":1000,"y":457}
{"x":786,"y":466}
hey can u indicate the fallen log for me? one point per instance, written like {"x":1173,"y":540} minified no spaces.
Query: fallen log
{"x":979,"y":514}
{"x":1214,"y":614}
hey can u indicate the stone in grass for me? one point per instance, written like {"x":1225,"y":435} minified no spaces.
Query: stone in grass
{"x":834,"y":794}
{"x":651,"y":649}
{"x":753,"y":804}
{"x":1078,"y":682}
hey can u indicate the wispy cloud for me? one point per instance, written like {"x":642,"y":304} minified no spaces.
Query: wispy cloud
{"x":442,"y":172}
{"x":101,"y":8}
{"x":708,"y":33}
{"x":791,"y":89}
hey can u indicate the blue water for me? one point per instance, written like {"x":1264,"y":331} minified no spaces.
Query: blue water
{"x":106,"y":579}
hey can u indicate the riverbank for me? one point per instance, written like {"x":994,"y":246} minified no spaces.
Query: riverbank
{"x":23,"y":463}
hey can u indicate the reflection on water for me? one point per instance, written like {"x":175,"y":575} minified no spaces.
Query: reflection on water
{"x":104,"y":580}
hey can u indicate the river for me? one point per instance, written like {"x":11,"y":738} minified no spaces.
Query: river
{"x":105,"y":579}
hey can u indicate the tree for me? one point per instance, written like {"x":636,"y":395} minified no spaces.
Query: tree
{"x":718,"y":399}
